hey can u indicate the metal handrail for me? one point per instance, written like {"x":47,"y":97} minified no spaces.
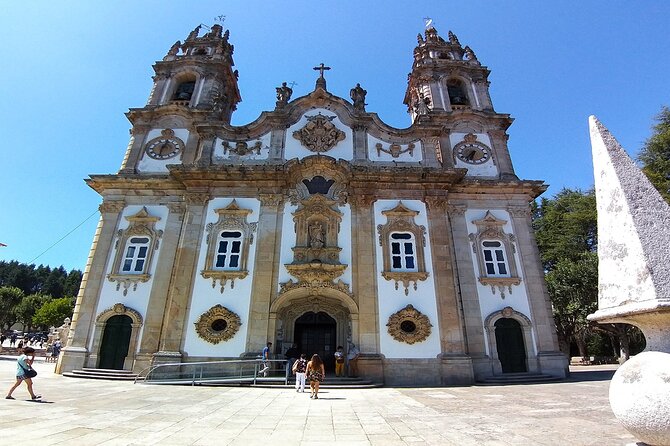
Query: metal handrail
{"x":213,"y":371}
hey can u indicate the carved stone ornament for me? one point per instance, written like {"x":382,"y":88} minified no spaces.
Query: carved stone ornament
{"x":242,"y":148}
{"x":319,"y":134}
{"x":409,"y":325}
{"x":218,"y":324}
{"x":140,"y":225}
{"x":395,"y":150}
{"x":400,"y":220}
{"x":231,"y":219}
{"x":490,"y":229}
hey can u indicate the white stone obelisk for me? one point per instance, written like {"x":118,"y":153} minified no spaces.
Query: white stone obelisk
{"x":634,"y":284}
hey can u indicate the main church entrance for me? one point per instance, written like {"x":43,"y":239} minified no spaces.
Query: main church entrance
{"x":115,"y":342}
{"x":316,"y":333}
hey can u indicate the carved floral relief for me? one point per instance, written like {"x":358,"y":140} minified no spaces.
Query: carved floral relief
{"x":319,"y":134}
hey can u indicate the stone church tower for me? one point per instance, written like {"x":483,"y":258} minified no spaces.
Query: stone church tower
{"x":317,"y":224}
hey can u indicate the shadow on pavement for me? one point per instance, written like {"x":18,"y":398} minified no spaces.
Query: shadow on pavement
{"x":590,"y":375}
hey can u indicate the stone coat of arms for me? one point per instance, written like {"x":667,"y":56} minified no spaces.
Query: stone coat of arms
{"x":319,"y":134}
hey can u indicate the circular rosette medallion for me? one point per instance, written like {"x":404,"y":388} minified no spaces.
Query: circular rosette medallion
{"x":409,"y":325}
{"x":218,"y":324}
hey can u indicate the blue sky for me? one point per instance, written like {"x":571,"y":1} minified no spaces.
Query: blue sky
{"x":73,"y":68}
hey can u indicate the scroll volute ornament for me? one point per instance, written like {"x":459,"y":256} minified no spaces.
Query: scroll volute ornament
{"x":409,"y":325}
{"x":319,"y":134}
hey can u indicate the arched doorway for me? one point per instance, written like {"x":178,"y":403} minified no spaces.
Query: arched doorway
{"x":115,"y":342}
{"x":317,"y":333}
{"x":510,"y":345}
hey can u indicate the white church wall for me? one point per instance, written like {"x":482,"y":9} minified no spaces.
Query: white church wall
{"x":374,"y":154}
{"x":235,"y":299}
{"x":390,"y":300}
{"x":487,"y":169}
{"x":490,"y":301}
{"x":148,"y":164}
{"x":343,"y":149}
{"x":137,"y":299}
{"x":230,"y":153}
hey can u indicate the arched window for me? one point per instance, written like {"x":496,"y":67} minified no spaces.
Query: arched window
{"x":135,"y":257}
{"x":229,"y":249}
{"x":456,"y":90}
{"x":184,"y":91}
{"x":403,"y":252}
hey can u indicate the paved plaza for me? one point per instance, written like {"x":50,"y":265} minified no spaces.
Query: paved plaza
{"x":91,"y":412}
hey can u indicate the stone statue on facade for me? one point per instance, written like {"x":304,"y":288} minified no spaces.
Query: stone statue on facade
{"x":283,"y":94}
{"x":358,"y":97}
{"x":316,"y":235}
{"x":421,"y":106}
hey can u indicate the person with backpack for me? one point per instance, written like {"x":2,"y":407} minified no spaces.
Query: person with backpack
{"x":299,"y":370}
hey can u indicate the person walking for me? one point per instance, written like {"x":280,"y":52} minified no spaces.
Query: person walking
{"x":299,"y":369}
{"x":25,"y":372}
{"x":352,"y":356}
{"x":55,"y":350}
{"x":316,"y":373}
{"x":265,"y":355}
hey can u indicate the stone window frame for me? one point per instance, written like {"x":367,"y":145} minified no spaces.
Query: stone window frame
{"x":490,"y":228}
{"x":206,"y":329}
{"x":231,"y":218}
{"x":465,"y":86}
{"x":141,"y":224}
{"x":400,"y":219}
{"x":417,"y":330}
{"x":175,"y":81}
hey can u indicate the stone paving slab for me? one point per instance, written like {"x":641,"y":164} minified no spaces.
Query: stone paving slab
{"x":96,"y":412}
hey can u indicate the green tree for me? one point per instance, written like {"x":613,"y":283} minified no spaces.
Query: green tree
{"x":566,"y":226}
{"x":10,"y":297}
{"x":26,"y":309}
{"x":53,"y":312}
{"x":573,"y":289}
{"x":655,"y":154}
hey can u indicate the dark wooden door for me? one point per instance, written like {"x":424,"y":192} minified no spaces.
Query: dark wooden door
{"x":115,"y":342}
{"x":511,"y":348}
{"x":316,"y":333}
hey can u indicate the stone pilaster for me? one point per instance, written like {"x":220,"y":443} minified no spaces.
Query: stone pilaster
{"x":135,"y":146}
{"x":430,"y":148}
{"x":538,"y":297}
{"x":266,"y":271}
{"x":467,"y":283}
{"x":160,"y":288}
{"x":360,"y":136}
{"x":183,"y":277}
{"x":75,"y":353}
{"x":206,"y":152}
{"x":364,"y":272}
{"x":499,"y":143}
{"x":277,"y":143}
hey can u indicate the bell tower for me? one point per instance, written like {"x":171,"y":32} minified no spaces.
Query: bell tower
{"x":198,"y":74}
{"x":450,"y":87}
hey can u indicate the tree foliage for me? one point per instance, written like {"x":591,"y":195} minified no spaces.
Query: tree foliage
{"x":53,"y":312}
{"x":10,"y":297}
{"x":27,"y":308}
{"x":655,"y":154}
{"x":566,"y":226}
{"x":31,"y":279}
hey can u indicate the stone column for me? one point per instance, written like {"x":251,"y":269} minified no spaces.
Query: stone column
{"x":134,"y":151}
{"x":183,"y":276}
{"x":430,"y":147}
{"x":76,"y":351}
{"x":467,"y":287}
{"x":160,"y":288}
{"x":456,"y":364}
{"x":550,"y":359}
{"x":364,"y":286}
{"x":266,"y":272}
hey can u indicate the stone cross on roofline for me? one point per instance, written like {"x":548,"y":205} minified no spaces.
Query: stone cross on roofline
{"x":321,"y":81}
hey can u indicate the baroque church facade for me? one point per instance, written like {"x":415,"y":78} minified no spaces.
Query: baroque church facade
{"x":317,"y":224}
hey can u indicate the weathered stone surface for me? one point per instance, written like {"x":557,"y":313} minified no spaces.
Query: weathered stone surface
{"x":633,"y":232}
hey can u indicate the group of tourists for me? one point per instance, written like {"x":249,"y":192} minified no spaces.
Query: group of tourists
{"x":312,"y":370}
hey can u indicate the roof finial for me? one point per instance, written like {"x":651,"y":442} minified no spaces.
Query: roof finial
{"x":321,"y":81}
{"x":428,"y":22}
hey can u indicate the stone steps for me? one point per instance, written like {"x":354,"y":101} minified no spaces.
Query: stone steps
{"x":517,"y":378}
{"x":109,"y":374}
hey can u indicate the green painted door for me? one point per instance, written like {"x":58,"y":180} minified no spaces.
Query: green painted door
{"x":115,"y":342}
{"x":511,"y":349}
